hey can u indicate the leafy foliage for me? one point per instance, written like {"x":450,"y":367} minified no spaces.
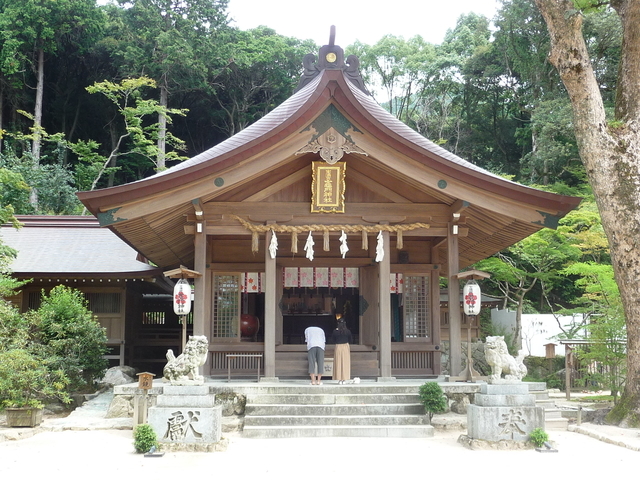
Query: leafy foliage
{"x":433,"y":398}
{"x":26,"y":380}
{"x":538,"y":437}
{"x":68,"y":332}
{"x":144,"y":437}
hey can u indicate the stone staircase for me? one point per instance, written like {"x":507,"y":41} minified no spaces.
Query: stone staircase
{"x":352,"y":410}
{"x":553,"y":418}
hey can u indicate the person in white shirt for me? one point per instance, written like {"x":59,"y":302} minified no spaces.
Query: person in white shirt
{"x":315,"y":338}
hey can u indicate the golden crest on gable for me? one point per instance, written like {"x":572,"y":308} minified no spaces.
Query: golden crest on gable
{"x":331,"y":146}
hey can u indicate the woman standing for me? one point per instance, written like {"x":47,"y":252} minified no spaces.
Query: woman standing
{"x":341,"y":336}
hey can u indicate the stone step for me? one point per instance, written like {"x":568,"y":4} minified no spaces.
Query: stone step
{"x":401,"y":431}
{"x":556,"y":423}
{"x":339,"y":409}
{"x":331,"y":399}
{"x":368,"y":388}
{"x":334,"y":420}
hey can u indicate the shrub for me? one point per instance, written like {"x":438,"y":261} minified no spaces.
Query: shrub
{"x":538,"y":436}
{"x":26,"y":380}
{"x":433,"y":398}
{"x":144,"y":438}
{"x":68,"y":331}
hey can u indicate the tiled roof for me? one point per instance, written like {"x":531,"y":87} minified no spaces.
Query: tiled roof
{"x":71,"y":246}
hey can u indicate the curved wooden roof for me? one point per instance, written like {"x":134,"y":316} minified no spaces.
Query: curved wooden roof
{"x":403,"y":177}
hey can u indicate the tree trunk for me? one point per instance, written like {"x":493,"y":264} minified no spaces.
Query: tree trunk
{"x":37,"y":125}
{"x":162,"y":129}
{"x":37,"y":114}
{"x":611,"y":155}
{"x":114,"y":158}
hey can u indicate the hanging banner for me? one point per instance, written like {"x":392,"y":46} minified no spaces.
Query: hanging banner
{"x":306,"y":277}
{"x":395,"y":283}
{"x":291,"y":277}
{"x":351,"y":277}
{"x":337,"y":277}
{"x":322,"y":276}
{"x":182,"y":297}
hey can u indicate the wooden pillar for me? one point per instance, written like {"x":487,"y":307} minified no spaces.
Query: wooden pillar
{"x":434,"y":292}
{"x":435,"y":309}
{"x":455,"y":320}
{"x":202,"y":291}
{"x":270,"y":305}
{"x":201,"y":325}
{"x":384,"y":311}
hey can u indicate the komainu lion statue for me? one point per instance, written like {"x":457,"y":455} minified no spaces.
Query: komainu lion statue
{"x":498,"y":358}
{"x":183,"y":370}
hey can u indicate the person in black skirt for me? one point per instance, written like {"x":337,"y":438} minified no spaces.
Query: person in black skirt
{"x":341,"y":336}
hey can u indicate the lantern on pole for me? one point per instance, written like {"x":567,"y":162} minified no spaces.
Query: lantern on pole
{"x":182,"y":297}
{"x":471,"y":298}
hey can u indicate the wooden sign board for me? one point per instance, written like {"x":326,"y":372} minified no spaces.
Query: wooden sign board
{"x":327,"y":187}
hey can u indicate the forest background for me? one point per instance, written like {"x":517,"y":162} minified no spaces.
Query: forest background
{"x":93,"y":96}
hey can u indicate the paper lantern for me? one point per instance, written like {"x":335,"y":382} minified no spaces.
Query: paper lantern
{"x":471,"y":298}
{"x":182,"y":297}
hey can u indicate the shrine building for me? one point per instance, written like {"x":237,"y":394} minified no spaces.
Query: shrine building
{"x":326,"y":207}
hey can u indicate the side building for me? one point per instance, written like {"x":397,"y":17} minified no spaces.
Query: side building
{"x":130,"y":298}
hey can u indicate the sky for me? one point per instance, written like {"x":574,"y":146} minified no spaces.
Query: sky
{"x":366,"y":21}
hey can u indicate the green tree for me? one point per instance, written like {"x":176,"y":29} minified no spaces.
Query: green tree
{"x":168,"y":41}
{"x":532,"y":262}
{"x":262,"y":71}
{"x":67,"y":330}
{"x":138,"y":136}
{"x":33,"y":29}
{"x":610,"y":151}
{"x":606,"y":354}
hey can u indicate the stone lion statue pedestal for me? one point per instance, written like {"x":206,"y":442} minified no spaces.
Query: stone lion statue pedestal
{"x":185,"y":416}
{"x":504,"y":413}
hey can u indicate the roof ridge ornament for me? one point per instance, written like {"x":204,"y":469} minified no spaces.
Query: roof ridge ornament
{"x":332,"y":146}
{"x":331,"y":57}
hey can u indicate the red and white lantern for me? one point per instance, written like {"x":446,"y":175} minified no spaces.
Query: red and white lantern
{"x":182,"y":297}
{"x":471,"y":298}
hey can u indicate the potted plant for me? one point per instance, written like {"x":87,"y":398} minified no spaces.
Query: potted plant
{"x":25,"y":381}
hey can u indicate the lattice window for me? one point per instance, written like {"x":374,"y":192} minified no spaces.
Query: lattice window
{"x":417,"y":315}
{"x":98,"y":302}
{"x":226,"y":306}
{"x":103,"y":302}
{"x":153,"y":318}
{"x":35,"y":300}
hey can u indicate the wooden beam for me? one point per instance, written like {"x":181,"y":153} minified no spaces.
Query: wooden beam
{"x":237,"y":267}
{"x":280,"y":185}
{"x":414,"y":269}
{"x":410,"y":170}
{"x":459,"y":206}
{"x":333,"y":261}
{"x":303,"y":208}
{"x":198,"y":207}
{"x":240,"y":230}
{"x":376,"y":187}
{"x":205,"y":187}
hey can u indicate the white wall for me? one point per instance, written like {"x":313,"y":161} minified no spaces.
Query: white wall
{"x":537,"y":329}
